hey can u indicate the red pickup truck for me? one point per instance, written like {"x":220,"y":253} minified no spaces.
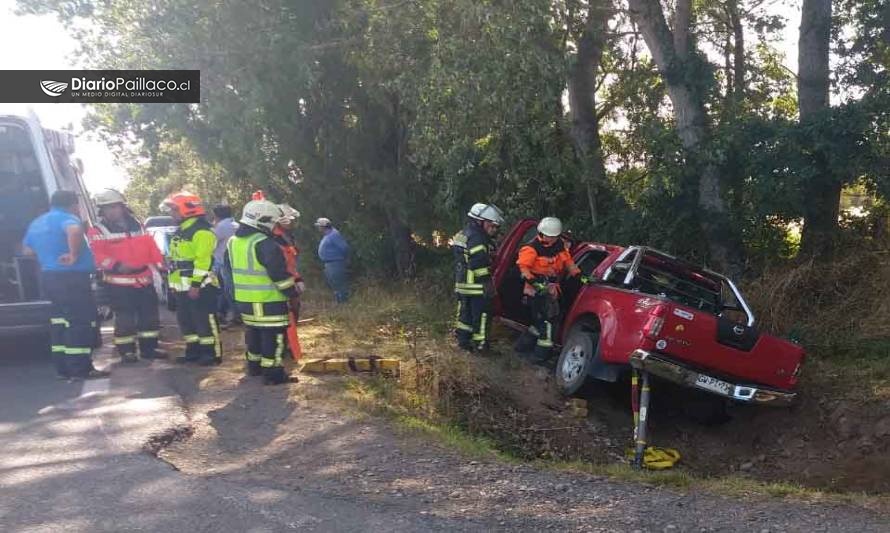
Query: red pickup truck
{"x":650,"y":310}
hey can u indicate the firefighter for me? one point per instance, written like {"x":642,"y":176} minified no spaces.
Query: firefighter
{"x":542,"y":265}
{"x":263,"y":289}
{"x":66,"y":265}
{"x":125,"y":255}
{"x":192,"y":279}
{"x":473,"y":285}
{"x":284,"y":236}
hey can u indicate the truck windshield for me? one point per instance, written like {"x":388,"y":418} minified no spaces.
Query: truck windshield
{"x":664,"y":276}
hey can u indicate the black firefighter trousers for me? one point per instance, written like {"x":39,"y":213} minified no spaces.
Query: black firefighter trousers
{"x":265,"y":335}
{"x":73,"y":321}
{"x":197,"y":323}
{"x":473,"y":321}
{"x":136,"y":319}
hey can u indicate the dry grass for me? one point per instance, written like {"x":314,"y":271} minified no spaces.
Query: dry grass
{"x":822,"y":303}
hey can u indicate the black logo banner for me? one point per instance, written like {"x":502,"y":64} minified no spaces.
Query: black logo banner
{"x":97,"y":86}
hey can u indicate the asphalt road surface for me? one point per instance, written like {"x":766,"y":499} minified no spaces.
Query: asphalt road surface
{"x":72,"y":459}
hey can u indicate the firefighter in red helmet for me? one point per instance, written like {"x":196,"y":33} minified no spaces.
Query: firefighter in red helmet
{"x":192,"y":279}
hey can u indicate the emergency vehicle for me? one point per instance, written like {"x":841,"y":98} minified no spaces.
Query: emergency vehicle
{"x":34,"y":163}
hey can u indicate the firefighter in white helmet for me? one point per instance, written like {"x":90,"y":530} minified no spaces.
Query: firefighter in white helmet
{"x":125,"y":255}
{"x":263,"y":289}
{"x":542,"y":264}
{"x":473,"y":285}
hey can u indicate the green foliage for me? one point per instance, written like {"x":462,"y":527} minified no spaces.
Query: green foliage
{"x":400,"y":114}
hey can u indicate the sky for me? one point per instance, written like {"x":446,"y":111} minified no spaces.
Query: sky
{"x":32,"y":42}
{"x":41,"y":42}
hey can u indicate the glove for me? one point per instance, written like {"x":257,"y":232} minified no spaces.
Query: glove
{"x":553,"y":289}
{"x":488,"y":289}
{"x":294,"y":302}
{"x":300,"y":287}
{"x":586,"y":280}
{"x":540,"y":287}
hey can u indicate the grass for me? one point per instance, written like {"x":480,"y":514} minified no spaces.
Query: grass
{"x":411,"y":322}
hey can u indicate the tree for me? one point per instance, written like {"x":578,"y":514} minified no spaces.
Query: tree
{"x":824,"y":195}
{"x":688,"y":78}
{"x":582,"y":89}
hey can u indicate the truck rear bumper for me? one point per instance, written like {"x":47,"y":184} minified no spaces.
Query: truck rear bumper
{"x":24,"y":318}
{"x":658,"y":365}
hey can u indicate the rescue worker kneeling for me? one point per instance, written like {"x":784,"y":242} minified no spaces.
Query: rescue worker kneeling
{"x":542,"y":265}
{"x":263,"y":289}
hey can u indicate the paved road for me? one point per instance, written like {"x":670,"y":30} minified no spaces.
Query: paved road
{"x":71,"y":459}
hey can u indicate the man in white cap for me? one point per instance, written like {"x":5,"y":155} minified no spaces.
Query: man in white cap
{"x":333,"y":250}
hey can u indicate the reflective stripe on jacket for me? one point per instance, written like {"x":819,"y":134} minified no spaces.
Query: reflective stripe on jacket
{"x":538,"y":260}
{"x":250,"y":278}
{"x":191,"y":255}
{"x":132,"y":248}
{"x":472,"y":260}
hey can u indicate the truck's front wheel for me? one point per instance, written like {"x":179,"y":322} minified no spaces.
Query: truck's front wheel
{"x":576,"y":357}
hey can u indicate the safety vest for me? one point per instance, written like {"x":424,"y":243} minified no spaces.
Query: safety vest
{"x":185,"y":264}
{"x":133,"y":248}
{"x":249,"y":277}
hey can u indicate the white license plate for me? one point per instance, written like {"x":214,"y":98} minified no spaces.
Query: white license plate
{"x":713,"y":384}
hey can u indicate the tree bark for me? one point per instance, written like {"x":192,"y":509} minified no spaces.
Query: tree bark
{"x":823,"y":199}
{"x":740,"y":66}
{"x":585,"y":131}
{"x":672,"y":51}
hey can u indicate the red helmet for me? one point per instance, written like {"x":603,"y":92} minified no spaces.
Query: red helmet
{"x":188,"y":205}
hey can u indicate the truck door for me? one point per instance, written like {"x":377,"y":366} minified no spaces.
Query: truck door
{"x":508,"y":281}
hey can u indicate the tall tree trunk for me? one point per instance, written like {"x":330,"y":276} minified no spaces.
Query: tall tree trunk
{"x":403,"y":246}
{"x":823,"y":198}
{"x":672,"y":51}
{"x":739,"y":62}
{"x":585,"y":131}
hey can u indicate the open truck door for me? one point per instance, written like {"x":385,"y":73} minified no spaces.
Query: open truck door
{"x":507,"y":279}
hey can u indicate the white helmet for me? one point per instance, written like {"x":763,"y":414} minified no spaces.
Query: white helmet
{"x":486,"y":212}
{"x":550,"y":227}
{"x":108,"y":197}
{"x":261,"y":214}
{"x":288,"y":213}
{"x":323,"y":223}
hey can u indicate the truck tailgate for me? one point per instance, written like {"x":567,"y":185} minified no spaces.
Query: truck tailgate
{"x":692,"y":336}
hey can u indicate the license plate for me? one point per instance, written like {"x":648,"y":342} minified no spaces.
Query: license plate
{"x":713,"y":384}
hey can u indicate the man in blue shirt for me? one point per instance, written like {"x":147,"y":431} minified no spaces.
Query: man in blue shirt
{"x":333,"y":250}
{"x":224,"y":228}
{"x":66,"y":264}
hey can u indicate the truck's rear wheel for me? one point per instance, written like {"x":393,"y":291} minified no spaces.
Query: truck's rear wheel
{"x":576,"y":357}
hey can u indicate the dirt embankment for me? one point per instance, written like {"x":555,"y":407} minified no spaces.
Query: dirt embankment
{"x":300,"y":438}
{"x":836,"y":437}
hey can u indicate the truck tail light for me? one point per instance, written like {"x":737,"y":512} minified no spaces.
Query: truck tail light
{"x":655,"y":322}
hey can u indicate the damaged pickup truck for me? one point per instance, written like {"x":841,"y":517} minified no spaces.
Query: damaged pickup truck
{"x":650,"y":310}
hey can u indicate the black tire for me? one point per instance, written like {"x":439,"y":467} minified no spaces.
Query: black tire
{"x":576,"y":357}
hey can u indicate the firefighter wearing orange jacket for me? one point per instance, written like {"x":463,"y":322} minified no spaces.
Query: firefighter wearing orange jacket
{"x":284,"y":237}
{"x":542,"y":264}
{"x":125,"y":255}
